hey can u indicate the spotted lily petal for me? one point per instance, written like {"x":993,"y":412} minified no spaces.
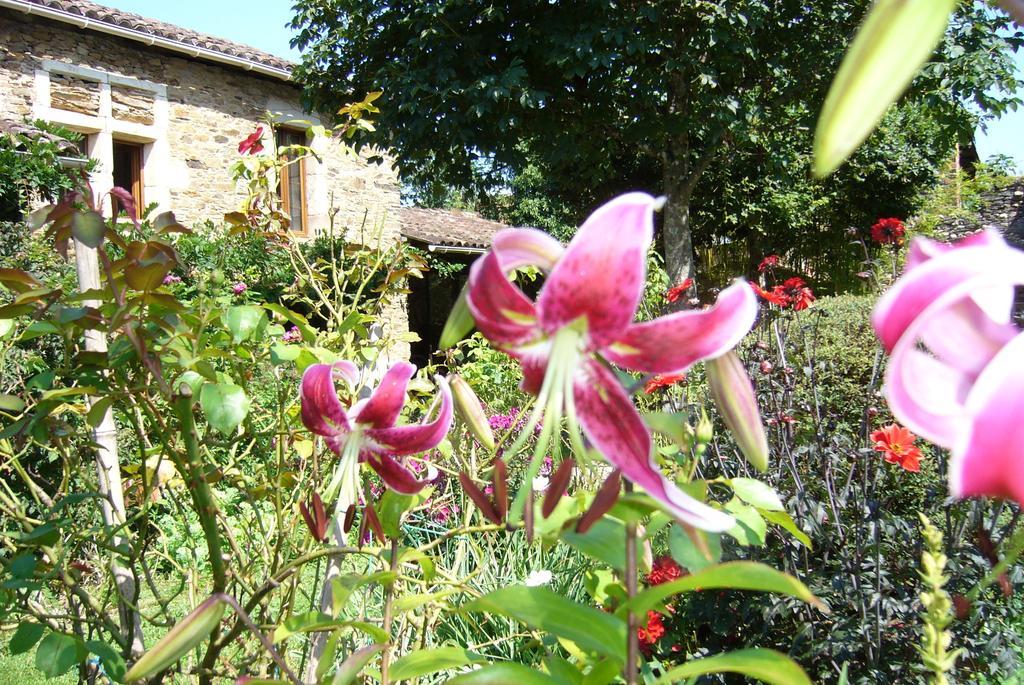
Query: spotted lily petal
{"x":518,"y":247}
{"x":414,"y":438}
{"x":502,"y":312}
{"x":989,"y":459}
{"x":322,"y":411}
{"x":673,"y":343}
{"x":612,"y":424}
{"x":385,"y":404}
{"x":601,"y":275}
{"x":394,"y":474}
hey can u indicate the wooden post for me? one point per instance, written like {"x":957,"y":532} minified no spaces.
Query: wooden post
{"x":108,"y":468}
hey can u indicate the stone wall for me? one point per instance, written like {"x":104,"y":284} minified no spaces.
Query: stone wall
{"x":189,"y":115}
{"x":1002,"y":208}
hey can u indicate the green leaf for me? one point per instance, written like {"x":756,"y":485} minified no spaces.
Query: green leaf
{"x":897,"y":38}
{"x":732,"y":575}
{"x":311,"y":621}
{"x":750,"y":528}
{"x":342,"y":587}
{"x":11,"y":403}
{"x":87,"y":228}
{"x":98,"y":410}
{"x":602,"y":673}
{"x":410,"y":602}
{"x":503,"y":674}
{"x":688,"y":555}
{"x":23,"y":565}
{"x":540,"y":608}
{"x":394,"y":504}
{"x":756,"y":493}
{"x":765,"y":665}
{"x":57,"y":653}
{"x":354,"y":664}
{"x":781,"y":518}
{"x":112,"y":662}
{"x":426,"y":661}
{"x":605,"y":541}
{"x":25,"y":637}
{"x":245,"y":322}
{"x":225,"y":405}
{"x":460,"y":322}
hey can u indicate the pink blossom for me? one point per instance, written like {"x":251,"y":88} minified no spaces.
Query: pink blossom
{"x":293,"y":334}
{"x":366,"y":431}
{"x":956,"y":371}
{"x":239,"y":288}
{"x":583,"y":317}
{"x":171,"y":279}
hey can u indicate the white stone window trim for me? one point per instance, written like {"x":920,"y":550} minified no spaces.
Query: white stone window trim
{"x":104,"y":128}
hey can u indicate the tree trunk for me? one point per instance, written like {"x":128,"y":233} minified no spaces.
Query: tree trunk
{"x":677,"y":240}
{"x":108,"y":468}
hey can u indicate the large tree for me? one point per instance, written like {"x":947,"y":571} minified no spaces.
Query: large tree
{"x":605,"y":95}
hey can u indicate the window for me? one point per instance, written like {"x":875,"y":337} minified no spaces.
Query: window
{"x":128,"y":170}
{"x":293,"y":181}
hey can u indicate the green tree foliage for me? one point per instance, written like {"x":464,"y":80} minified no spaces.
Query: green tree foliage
{"x":605,"y":96}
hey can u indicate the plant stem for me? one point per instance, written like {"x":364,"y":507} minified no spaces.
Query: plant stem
{"x":632,"y":643}
{"x":1013,"y":550}
{"x":389,"y":595}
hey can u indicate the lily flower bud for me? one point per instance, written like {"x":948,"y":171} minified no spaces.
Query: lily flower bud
{"x":704,"y":430}
{"x":181,"y":639}
{"x":734,"y":396}
{"x":471,"y":411}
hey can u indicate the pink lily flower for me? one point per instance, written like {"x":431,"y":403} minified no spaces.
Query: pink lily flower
{"x":965,"y":390}
{"x":584,"y":318}
{"x":366,"y":431}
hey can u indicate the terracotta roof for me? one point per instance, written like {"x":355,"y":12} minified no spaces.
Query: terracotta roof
{"x":449,"y":227}
{"x":101,"y":15}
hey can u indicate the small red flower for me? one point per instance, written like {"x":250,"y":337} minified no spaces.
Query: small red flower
{"x":253,"y":144}
{"x":888,"y":231}
{"x":768,"y":262}
{"x":651,"y":633}
{"x":896,"y":443}
{"x":673,"y":294}
{"x":775,"y":296}
{"x":797,"y":292}
{"x":664,"y":570}
{"x":663,"y":380}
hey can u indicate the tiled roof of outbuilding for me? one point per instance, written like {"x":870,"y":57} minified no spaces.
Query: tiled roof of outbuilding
{"x":158,"y":29}
{"x":452,"y":228}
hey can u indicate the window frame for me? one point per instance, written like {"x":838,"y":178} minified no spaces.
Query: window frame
{"x":137,"y":169}
{"x":284,"y":181}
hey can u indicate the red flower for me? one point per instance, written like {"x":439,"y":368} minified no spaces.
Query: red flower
{"x":673,"y":294}
{"x":886,"y":231}
{"x":664,"y":570}
{"x":651,"y":633}
{"x":775,"y":296}
{"x":796,"y":290}
{"x":253,"y":144}
{"x":663,"y":380}
{"x":768,"y":262}
{"x":896,"y":443}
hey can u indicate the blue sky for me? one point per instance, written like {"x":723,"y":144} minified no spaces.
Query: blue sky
{"x":262,"y":24}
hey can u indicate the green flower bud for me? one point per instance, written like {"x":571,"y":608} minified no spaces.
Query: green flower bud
{"x":471,"y":411}
{"x":183,"y":637}
{"x":734,"y":396}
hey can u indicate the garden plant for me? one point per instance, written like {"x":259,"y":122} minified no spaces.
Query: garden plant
{"x":216,"y":468}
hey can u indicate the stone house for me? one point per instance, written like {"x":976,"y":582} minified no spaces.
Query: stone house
{"x":163,"y":109}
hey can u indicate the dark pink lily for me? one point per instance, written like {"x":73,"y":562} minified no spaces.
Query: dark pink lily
{"x":956,"y":371}
{"x":584,"y":318}
{"x":366,"y":431}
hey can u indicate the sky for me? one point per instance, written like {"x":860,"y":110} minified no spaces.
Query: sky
{"x":262,"y":24}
